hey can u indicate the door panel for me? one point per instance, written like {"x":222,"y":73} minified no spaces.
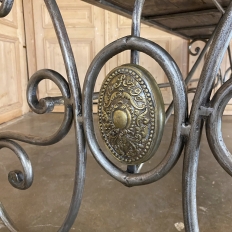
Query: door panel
{"x":85,"y":28}
{"x":12,"y":65}
{"x":90,"y":29}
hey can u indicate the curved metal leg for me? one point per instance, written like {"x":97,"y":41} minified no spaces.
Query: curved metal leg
{"x":71,"y":98}
{"x":186,"y":130}
{"x":219,"y":45}
{"x":6,"y":219}
{"x":75,"y":90}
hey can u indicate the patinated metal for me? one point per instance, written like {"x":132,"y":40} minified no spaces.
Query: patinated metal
{"x":131,"y":113}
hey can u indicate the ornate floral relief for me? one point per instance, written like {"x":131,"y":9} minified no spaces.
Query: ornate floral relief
{"x":127,"y":115}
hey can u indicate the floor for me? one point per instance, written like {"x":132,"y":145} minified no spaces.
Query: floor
{"x":107,"y":205}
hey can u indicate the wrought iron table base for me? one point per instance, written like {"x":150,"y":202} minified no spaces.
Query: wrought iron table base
{"x":187,"y":128}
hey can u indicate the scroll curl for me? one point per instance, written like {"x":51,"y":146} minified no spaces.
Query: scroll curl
{"x":197,"y":49}
{"x":18,"y":179}
{"x":71,"y":98}
{"x":45,"y":105}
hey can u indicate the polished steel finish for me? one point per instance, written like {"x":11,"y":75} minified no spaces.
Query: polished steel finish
{"x":120,"y":106}
{"x":131,"y":114}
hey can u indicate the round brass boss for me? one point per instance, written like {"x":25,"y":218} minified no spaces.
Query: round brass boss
{"x":120,"y":119}
{"x":131,"y":114}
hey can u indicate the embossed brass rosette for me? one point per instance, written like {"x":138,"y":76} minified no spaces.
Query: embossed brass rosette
{"x":131,"y":114}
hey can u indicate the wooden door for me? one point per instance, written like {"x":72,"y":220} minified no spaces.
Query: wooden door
{"x":85,"y":27}
{"x":13,"y":79}
{"x":90,"y":29}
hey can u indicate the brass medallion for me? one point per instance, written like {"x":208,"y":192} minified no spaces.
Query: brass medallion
{"x":131,"y":114}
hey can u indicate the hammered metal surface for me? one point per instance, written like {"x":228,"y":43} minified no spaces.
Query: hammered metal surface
{"x":131,"y":114}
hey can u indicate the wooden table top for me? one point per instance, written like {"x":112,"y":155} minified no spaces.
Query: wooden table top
{"x":188,"y":19}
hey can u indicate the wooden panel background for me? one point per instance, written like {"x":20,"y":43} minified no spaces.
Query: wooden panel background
{"x":90,"y":29}
{"x":13,"y":65}
{"x":85,"y":26}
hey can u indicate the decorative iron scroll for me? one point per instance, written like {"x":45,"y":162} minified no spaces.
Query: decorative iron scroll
{"x":197,"y":49}
{"x":146,"y":99}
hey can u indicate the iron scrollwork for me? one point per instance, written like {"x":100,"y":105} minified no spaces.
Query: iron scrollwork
{"x":197,"y":49}
{"x":71,"y":99}
{"x":187,"y":128}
